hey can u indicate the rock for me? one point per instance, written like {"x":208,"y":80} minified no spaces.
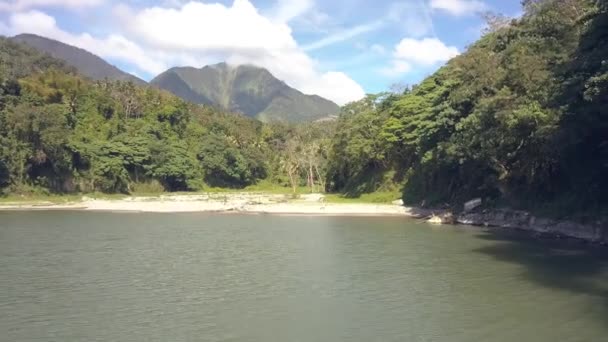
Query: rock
{"x":472,"y":204}
{"x":398,"y":202}
{"x":446,"y":218}
{"x":435,"y":220}
{"x":512,"y":219}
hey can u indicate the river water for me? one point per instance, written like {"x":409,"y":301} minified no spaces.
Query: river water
{"x":84,"y":276}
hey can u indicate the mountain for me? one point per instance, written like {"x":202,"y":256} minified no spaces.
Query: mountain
{"x":85,"y":62}
{"x":246,"y":89}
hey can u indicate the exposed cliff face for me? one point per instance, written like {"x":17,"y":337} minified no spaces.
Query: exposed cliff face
{"x":596,"y":232}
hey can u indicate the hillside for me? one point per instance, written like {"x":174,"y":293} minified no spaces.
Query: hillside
{"x":246,"y":89}
{"x":62,"y":133}
{"x":18,"y":60}
{"x":519,"y":120}
{"x":85,"y":62}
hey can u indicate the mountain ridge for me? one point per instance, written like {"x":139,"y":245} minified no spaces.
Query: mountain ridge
{"x":85,"y":62}
{"x":247,"y":89}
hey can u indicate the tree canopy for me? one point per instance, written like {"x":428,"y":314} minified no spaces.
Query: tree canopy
{"x":520,"y":118}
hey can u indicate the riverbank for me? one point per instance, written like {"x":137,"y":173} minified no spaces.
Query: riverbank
{"x":594,"y":232}
{"x":318,"y":205}
{"x":310,"y":204}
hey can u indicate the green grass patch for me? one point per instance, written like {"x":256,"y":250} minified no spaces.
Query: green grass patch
{"x":151,"y":190}
{"x":23,"y":199}
{"x":374,"y":197}
{"x":57,"y":198}
{"x":273,"y":188}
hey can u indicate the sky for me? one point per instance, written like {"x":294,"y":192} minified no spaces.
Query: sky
{"x":338,"y":49}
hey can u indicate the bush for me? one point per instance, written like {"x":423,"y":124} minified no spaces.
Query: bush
{"x":150,"y":187}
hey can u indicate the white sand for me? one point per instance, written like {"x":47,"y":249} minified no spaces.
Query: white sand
{"x":312,"y":204}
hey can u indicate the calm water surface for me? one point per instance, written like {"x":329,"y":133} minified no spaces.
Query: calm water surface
{"x":76,"y":276}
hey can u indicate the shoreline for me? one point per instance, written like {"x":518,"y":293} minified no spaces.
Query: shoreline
{"x":312,"y":204}
{"x":315,"y":205}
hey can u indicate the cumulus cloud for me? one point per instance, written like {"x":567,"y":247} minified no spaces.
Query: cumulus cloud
{"x":21,"y":5}
{"x":195,"y":34}
{"x":201,"y":26}
{"x":239,"y":34}
{"x":459,"y":7}
{"x":427,"y":52}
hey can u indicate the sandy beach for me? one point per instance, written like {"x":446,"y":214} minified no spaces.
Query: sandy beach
{"x":311,"y":204}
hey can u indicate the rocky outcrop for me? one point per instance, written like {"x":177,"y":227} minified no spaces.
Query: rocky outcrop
{"x":596,"y":232}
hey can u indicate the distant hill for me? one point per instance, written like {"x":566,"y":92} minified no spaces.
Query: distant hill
{"x":85,"y":62}
{"x":246,"y":89}
{"x":19,"y":60}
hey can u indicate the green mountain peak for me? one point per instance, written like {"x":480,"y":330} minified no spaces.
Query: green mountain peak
{"x":246,"y":89}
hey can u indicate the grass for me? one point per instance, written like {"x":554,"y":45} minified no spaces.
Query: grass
{"x":264,"y":187}
{"x":375,"y":197}
{"x":56,"y":198}
{"x":267,"y":187}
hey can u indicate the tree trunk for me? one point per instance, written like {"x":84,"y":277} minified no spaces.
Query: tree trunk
{"x":321,"y":180}
{"x":291,"y":171}
{"x":311,"y":177}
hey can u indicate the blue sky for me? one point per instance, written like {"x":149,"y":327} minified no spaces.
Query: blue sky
{"x":339,"y":49}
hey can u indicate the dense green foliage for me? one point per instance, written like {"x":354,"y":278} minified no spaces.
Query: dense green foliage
{"x":519,"y":119}
{"x":62,"y":133}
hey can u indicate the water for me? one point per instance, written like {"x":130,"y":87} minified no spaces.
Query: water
{"x":76,"y":276}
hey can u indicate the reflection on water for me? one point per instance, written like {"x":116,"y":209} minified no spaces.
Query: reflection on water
{"x":75,"y":276}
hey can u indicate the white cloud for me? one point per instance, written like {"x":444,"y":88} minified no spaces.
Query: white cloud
{"x":286,"y":10}
{"x":427,"y":51}
{"x":314,"y":20}
{"x":301,"y":15}
{"x":200,"y":26}
{"x":197,"y":34}
{"x":343,"y":35}
{"x":413,"y":18}
{"x":459,"y":7}
{"x":424,"y":53}
{"x":339,"y":85}
{"x":21,"y":5}
{"x":173,"y":3}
